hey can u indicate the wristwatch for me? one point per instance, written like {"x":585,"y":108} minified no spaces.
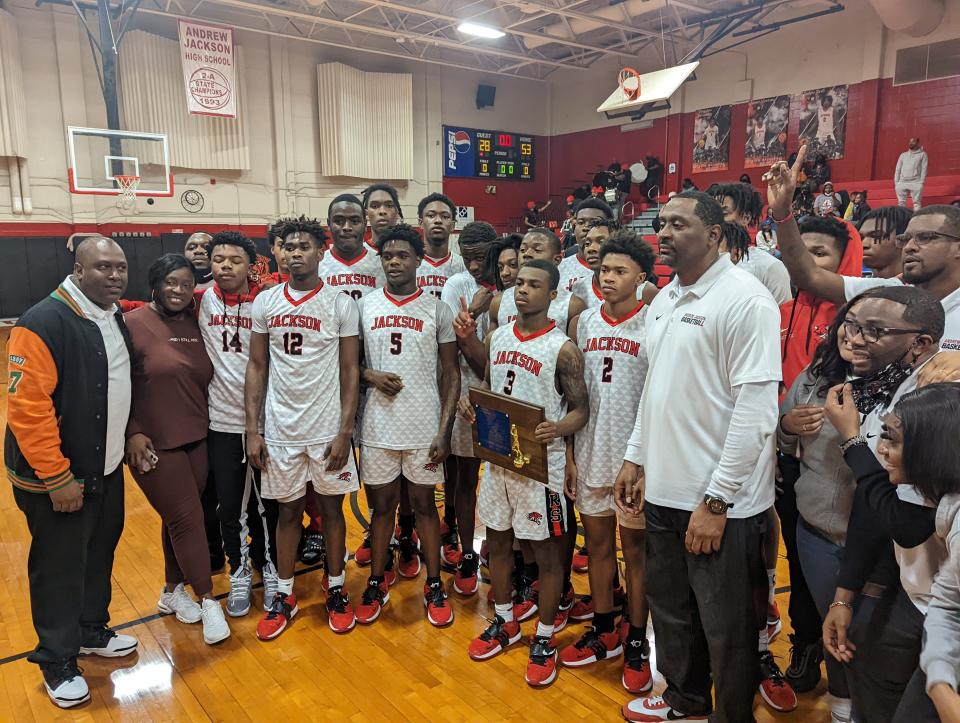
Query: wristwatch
{"x":716,"y":505}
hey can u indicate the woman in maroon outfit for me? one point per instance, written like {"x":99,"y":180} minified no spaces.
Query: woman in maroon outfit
{"x":166,"y":437}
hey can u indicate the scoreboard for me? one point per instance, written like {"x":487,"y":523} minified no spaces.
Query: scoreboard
{"x":473,"y":153}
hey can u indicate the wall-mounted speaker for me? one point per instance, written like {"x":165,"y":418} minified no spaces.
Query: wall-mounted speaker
{"x":486,"y":94}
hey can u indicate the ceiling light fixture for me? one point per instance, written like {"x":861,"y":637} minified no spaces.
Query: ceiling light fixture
{"x":481,"y":31}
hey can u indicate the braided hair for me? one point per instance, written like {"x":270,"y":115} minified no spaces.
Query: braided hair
{"x":303,"y":224}
{"x":746,"y":199}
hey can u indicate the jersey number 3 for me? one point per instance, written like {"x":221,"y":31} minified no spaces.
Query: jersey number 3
{"x":293,"y":343}
{"x":511,"y":378}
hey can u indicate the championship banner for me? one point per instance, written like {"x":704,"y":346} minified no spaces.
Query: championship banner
{"x":766,"y":141}
{"x":209,"y":69}
{"x":711,"y":139}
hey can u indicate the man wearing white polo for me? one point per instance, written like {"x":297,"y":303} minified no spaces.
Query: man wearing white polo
{"x":701,"y":462}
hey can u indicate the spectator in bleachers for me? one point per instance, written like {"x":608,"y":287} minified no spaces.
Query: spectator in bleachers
{"x":533,"y":218}
{"x":857,"y":209}
{"x":826,"y":196}
{"x":803,"y":200}
{"x":744,"y":178}
{"x":879,"y":230}
{"x":911,"y":174}
{"x":688,"y":185}
{"x":819,"y":173}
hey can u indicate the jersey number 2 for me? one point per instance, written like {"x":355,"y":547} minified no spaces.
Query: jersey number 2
{"x":606,"y":375}
{"x":396,"y":343}
{"x":511,"y":378}
{"x":293,"y":343}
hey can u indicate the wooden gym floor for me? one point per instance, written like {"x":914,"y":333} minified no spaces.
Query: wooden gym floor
{"x":400,"y":668}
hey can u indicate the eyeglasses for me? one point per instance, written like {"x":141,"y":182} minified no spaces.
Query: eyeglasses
{"x":873,"y":334}
{"x":922,"y":239}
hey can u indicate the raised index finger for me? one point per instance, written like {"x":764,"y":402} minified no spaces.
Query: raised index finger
{"x":798,"y":164}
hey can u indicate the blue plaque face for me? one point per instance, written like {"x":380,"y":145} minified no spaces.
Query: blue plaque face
{"x":493,"y":430}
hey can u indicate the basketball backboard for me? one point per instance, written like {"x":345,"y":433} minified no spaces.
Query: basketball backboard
{"x":655,"y":91}
{"x":97,"y":156}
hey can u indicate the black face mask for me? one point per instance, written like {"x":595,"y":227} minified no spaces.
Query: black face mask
{"x":878,"y":388}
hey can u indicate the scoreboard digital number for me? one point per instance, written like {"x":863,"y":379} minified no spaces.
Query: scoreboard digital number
{"x":473,"y":153}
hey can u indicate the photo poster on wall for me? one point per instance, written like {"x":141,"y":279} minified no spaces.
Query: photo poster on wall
{"x":766,"y":141}
{"x":823,"y":121}
{"x":711,"y":139}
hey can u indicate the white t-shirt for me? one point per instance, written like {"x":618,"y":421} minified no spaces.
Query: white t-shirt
{"x":464,"y":286}
{"x":950,"y":341}
{"x":303,"y":391}
{"x":433,"y":273}
{"x":571,"y":269}
{"x":702,"y":342}
{"x":403,"y":336}
{"x":770,"y":271}
{"x":355,"y":278}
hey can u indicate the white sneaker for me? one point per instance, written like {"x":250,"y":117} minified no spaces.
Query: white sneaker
{"x":238,"y":601}
{"x":65,"y":685}
{"x":108,"y":644}
{"x":215,"y":626}
{"x":271,"y":579}
{"x":179,"y":603}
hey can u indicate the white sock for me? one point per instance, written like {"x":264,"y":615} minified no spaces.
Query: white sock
{"x":544,"y":630}
{"x":772,"y":590}
{"x":840,"y":709}
{"x":336,"y":580}
{"x":764,"y":640}
{"x":505,"y":612}
{"x":285,"y":586}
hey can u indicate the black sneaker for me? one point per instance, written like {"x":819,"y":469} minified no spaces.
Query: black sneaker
{"x":313,"y":549}
{"x":803,"y":673}
{"x":107,"y":644}
{"x":65,"y":684}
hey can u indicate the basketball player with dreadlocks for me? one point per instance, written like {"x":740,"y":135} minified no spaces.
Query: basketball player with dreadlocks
{"x":304,"y":372}
{"x":406,"y":427}
{"x":225,"y":323}
{"x":878,"y":231}
{"x":381,"y":207}
{"x":586,"y":215}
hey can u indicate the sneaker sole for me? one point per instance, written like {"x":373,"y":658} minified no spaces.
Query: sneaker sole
{"x":542,"y":683}
{"x":581,"y":618}
{"x":273,"y":636}
{"x":770,"y":703}
{"x":238,"y":613}
{"x":487,"y":656}
{"x":344,"y":630}
{"x":631,"y":716}
{"x":104,"y":653}
{"x":66,"y":702}
{"x":409,"y":575}
{"x":214,"y":641}
{"x":637,"y":691}
{"x":164,"y":610}
{"x":615,"y":653}
{"x":466,"y":592}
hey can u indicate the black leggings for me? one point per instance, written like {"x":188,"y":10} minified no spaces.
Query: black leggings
{"x":238,"y":492}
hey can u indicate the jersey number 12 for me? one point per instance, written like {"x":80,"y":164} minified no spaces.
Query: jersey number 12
{"x":293,"y":343}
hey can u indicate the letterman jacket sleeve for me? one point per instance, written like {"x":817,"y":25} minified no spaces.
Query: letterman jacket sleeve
{"x":30,"y":412}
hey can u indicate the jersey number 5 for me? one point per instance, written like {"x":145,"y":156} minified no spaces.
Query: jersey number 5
{"x":511,"y":378}
{"x":293,"y":343}
{"x":396,"y":343}
{"x":606,"y":375}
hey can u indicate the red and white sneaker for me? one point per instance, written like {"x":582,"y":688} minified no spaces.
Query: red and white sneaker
{"x":498,"y":636}
{"x":567,"y":599}
{"x":484,"y":552}
{"x":581,"y":560}
{"x":560,"y":622}
{"x":542,"y":666}
{"x":409,"y":563}
{"x":525,"y":603}
{"x":591,"y":648}
{"x":275,"y":620}
{"x":465,"y":581}
{"x":340,"y":615}
{"x":774,"y":624}
{"x":650,"y":710}
{"x":582,"y":609}
{"x":774,"y":688}
{"x":637,"y":677}
{"x":371,"y":604}
{"x":364,"y":554}
{"x":389,"y":573}
{"x":449,"y":545}
{"x":439,"y":612}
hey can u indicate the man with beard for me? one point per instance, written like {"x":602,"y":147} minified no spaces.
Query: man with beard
{"x":197,"y":251}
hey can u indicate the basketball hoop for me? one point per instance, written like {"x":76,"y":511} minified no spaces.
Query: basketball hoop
{"x":629,"y":81}
{"x":127,"y":198}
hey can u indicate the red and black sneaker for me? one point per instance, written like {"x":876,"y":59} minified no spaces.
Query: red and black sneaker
{"x":525,"y":602}
{"x":582,"y":609}
{"x":581,"y":560}
{"x":389,"y":571}
{"x":774,"y":688}
{"x":591,"y":648}
{"x":340,"y":615}
{"x":498,"y":636}
{"x":439,"y":612}
{"x":465,"y":581}
{"x":364,"y":554}
{"x":275,"y":620}
{"x":449,"y":545}
{"x":774,"y":624}
{"x":409,"y":565}
{"x":637,"y":678}
{"x":484,"y":552}
{"x":374,"y":598}
{"x":542,"y":666}
{"x":567,"y":599}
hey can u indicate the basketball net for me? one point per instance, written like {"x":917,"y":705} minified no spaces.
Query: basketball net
{"x":127,"y":198}
{"x":629,"y":80}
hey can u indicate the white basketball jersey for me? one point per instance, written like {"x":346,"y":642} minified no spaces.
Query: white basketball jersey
{"x":824,"y":123}
{"x":225,"y":326}
{"x":357,"y":277}
{"x":526,"y":368}
{"x":759,"y":135}
{"x":303,"y":393}
{"x":433,"y":273}
{"x":404,"y":337}
{"x":464,"y":286}
{"x":571,"y":269}
{"x":615,"y":367}
{"x":559,"y":308}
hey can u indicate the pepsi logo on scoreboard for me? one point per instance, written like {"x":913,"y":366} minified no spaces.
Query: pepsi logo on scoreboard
{"x":472,"y":153}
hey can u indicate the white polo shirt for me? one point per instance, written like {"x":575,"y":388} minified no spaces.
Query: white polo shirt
{"x":702,"y":341}
{"x":950,"y":341}
{"x":770,"y":271}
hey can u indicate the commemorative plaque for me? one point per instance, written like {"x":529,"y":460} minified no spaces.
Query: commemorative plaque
{"x":504,"y":433}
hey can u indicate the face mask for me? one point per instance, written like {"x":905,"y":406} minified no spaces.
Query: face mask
{"x":878,"y":388}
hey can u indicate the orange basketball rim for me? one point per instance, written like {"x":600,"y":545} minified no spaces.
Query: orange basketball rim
{"x":629,"y":80}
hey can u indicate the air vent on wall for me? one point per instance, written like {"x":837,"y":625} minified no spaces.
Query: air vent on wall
{"x":927,"y":62}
